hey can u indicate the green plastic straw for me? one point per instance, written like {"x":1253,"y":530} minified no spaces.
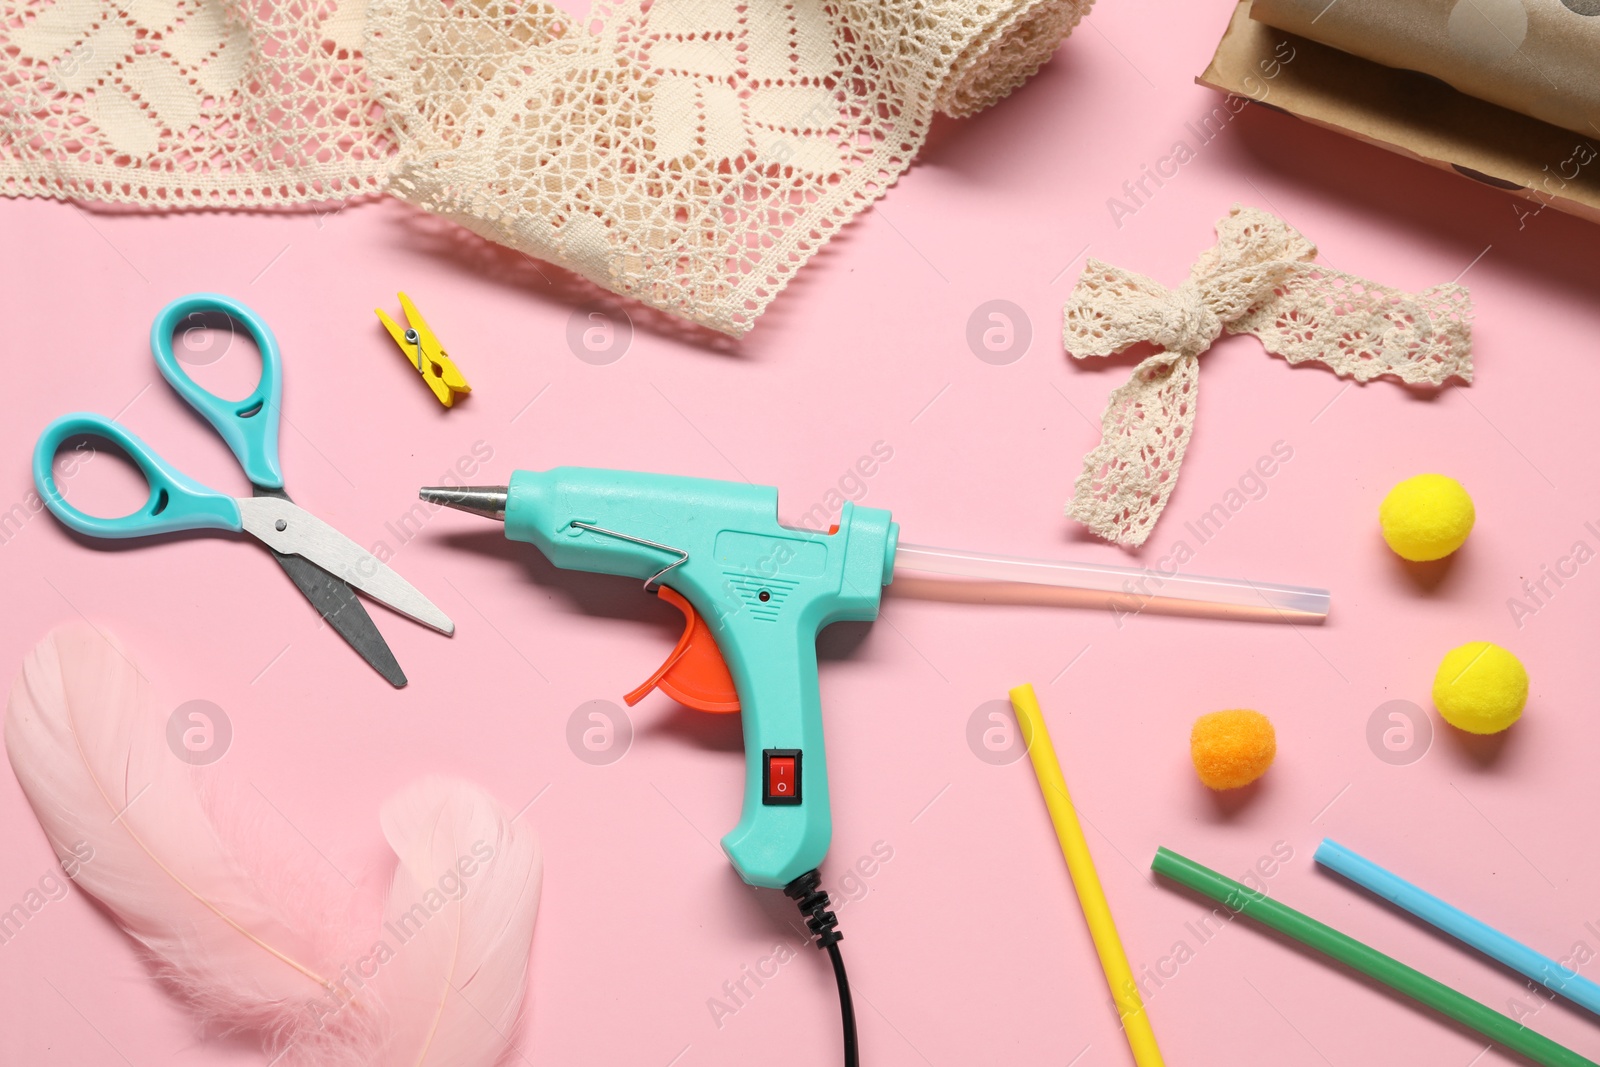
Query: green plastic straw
{"x":1370,"y":962}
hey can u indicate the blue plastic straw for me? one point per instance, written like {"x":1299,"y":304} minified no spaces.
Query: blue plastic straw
{"x":1458,"y":924}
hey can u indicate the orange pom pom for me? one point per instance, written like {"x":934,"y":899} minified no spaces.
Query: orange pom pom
{"x":1232,"y":748}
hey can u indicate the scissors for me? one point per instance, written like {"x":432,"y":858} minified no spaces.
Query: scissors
{"x":320,"y":560}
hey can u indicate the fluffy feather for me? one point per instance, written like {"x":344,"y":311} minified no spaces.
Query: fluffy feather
{"x":265,"y":951}
{"x":125,"y":819}
{"x":460,"y":917}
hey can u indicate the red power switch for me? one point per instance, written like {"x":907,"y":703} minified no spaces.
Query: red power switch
{"x":781,"y":776}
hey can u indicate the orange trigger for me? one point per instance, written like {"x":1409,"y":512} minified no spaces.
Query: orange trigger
{"x":694,"y":673}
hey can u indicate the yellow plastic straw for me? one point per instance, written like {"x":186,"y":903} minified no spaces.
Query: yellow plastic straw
{"x":1096,"y":912}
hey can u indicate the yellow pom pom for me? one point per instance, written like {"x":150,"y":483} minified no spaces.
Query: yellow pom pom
{"x":1480,"y":688}
{"x":1426,"y":517}
{"x":1232,"y":748}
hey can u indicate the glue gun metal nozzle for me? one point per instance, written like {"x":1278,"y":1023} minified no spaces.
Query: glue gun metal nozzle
{"x":486,"y":500}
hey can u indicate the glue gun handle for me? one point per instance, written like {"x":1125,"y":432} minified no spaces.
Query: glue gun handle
{"x":785,"y":825}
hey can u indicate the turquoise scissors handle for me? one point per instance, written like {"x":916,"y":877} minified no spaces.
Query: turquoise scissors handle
{"x":177,"y":501}
{"x":249,"y":426}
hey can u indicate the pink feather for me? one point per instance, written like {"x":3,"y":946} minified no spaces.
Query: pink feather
{"x":460,"y":918}
{"x":257,"y":940}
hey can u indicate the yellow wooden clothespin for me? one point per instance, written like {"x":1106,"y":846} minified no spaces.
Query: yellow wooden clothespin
{"x":424,"y":352}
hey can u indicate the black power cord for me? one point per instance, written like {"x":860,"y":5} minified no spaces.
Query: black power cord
{"x":807,"y":892}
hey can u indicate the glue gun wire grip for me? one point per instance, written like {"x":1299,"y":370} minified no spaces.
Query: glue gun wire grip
{"x":651,"y":582}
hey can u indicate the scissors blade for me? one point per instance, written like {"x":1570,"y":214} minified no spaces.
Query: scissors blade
{"x":287,"y":528}
{"x":338,"y":604}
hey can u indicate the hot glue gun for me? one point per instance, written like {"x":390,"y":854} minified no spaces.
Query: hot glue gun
{"x":755,"y":593}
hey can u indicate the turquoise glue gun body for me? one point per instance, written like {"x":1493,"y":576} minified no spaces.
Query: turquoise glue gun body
{"x":759,"y":590}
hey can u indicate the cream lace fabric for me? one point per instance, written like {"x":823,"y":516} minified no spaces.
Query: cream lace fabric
{"x":694,"y":154}
{"x":690,"y":153}
{"x":1259,"y":278}
{"x":187,"y":103}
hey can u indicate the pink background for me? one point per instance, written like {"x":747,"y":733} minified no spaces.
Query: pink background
{"x":967,"y":946}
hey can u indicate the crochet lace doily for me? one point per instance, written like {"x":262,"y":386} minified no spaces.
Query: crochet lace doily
{"x":187,"y":103}
{"x":1259,"y":278}
{"x":692,"y":154}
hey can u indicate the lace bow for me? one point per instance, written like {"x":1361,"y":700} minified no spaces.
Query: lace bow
{"x":1257,"y":279}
